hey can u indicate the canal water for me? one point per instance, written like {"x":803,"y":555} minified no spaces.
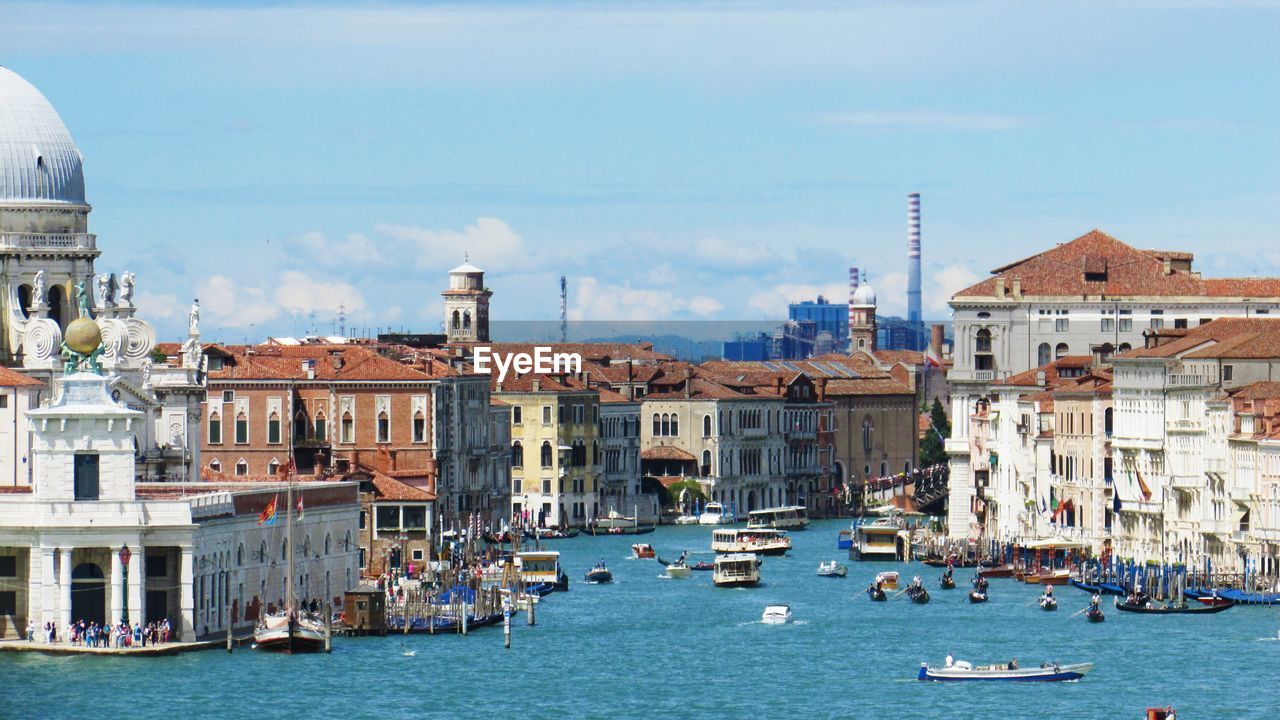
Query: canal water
{"x":645,"y":645}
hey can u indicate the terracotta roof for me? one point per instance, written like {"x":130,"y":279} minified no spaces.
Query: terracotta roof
{"x":666,"y":452}
{"x":867,"y":386}
{"x":1097,"y":264}
{"x":906,"y":357}
{"x":1240,"y":338}
{"x":703,"y":389}
{"x":389,"y":488}
{"x":13,"y":378}
{"x":514,"y":383}
{"x":609,"y":396}
{"x":285,"y":362}
{"x":1031,"y":378}
{"x":591,"y":352}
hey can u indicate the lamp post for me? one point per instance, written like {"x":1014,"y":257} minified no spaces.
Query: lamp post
{"x":125,"y":556}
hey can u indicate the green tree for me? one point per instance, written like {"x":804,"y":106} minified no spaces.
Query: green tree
{"x":932,"y":451}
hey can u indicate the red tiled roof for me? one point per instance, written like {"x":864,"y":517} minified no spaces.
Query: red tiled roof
{"x":666,"y":452}
{"x":1031,"y":378}
{"x":285,"y":362}
{"x":13,"y":378}
{"x":1114,"y":269}
{"x":389,"y":488}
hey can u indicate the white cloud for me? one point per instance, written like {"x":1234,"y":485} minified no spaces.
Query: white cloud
{"x":356,"y":249}
{"x":159,"y":305}
{"x":231,"y":306}
{"x":891,"y":293}
{"x":703,"y":306}
{"x":299,"y":293}
{"x":489,"y":243}
{"x":945,"y":283}
{"x":724,"y":253}
{"x":773,"y":302}
{"x":596,"y":300}
{"x":927,"y":120}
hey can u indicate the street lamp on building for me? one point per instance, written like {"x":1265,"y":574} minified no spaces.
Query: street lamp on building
{"x":125,"y":556}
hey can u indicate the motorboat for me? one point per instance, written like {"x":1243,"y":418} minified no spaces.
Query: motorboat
{"x":832,"y":569}
{"x":1045,"y":576}
{"x":876,"y":540}
{"x":1213,"y":600}
{"x":714,"y":514}
{"x":599,"y":574}
{"x":616,"y":523}
{"x":844,"y":540}
{"x":757,"y":541}
{"x":790,"y":517}
{"x":643,"y":551}
{"x":977,"y":596}
{"x":1152,"y":607}
{"x":679,"y":571}
{"x":686,"y":520}
{"x":962,"y":671}
{"x":996,"y":571}
{"x":1048,"y":602}
{"x":702,"y":566}
{"x":776,"y":615}
{"x":887,"y":580}
{"x":876,"y":594}
{"x":736,"y":570}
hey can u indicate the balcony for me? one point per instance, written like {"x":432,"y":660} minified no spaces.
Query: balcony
{"x":1187,"y":483}
{"x":1188,"y":380}
{"x":1184,"y":426}
{"x":48,"y":241}
{"x":1215,"y":465}
{"x":984,"y":375}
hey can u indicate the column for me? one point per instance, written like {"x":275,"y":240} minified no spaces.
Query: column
{"x":36,"y":574}
{"x":114,"y":592}
{"x":185,"y":623}
{"x":64,"y":589}
{"x":137,"y":610}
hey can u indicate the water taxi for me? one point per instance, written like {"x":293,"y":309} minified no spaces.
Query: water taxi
{"x":714,"y":514}
{"x":599,"y":574}
{"x":776,"y":615}
{"x":759,"y":541}
{"x":887,"y":580}
{"x":736,"y":570}
{"x":961,"y":670}
{"x":643,"y":551}
{"x":790,"y":517}
{"x":877,"y":540}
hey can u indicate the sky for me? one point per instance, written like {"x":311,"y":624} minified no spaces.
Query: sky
{"x":675,"y":160}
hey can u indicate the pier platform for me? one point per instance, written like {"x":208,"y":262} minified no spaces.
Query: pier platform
{"x":169,"y":648}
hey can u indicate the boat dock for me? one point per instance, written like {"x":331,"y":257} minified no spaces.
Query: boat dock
{"x":161,"y":650}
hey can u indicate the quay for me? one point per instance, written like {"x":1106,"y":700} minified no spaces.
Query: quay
{"x":161,"y":650}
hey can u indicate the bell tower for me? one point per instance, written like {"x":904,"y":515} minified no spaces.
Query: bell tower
{"x":862,"y":318}
{"x":466,"y":305}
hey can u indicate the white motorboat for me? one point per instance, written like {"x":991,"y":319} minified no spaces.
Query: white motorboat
{"x":736,"y":570}
{"x":714,"y":514}
{"x":776,"y":615}
{"x":1047,"y":672}
{"x":832,"y":569}
{"x":686,"y":520}
{"x":679,"y":570}
{"x":759,"y":541}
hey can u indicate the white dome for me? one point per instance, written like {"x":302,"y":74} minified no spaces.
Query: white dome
{"x":864,"y":296}
{"x":39,"y":162}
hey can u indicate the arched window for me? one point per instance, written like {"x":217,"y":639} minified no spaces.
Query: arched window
{"x":1042,"y":354}
{"x":215,"y":466}
{"x":1106,"y":421}
{"x":466,"y":320}
{"x":867,"y":430}
{"x":706,"y":463}
{"x":666,"y":425}
{"x":1060,"y":351}
{"x":348,"y":428}
{"x":657,"y":425}
{"x":457,"y":320}
{"x":240,"y":555}
{"x":706,"y":426}
{"x":419,"y":427}
{"x":242,"y":467}
{"x":273,"y":428}
{"x":273,"y":467}
{"x":215,"y":428}
{"x":675,"y":425}
{"x":242,"y":429}
{"x":320,"y":428}
{"x":546,"y":454}
{"x":982,"y":357}
{"x":517,"y":455}
{"x":384,"y":427}
{"x":300,"y":427}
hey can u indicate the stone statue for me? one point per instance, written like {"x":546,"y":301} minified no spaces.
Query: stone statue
{"x":126,"y":289}
{"x":104,"y":290}
{"x":193,"y":319}
{"x":82,"y":299}
{"x":146,"y":372}
{"x":191,"y":353}
{"x":38,"y":291}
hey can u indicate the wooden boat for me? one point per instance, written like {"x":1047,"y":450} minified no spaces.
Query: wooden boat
{"x":702,"y":566}
{"x":292,"y":629}
{"x":977,"y":596}
{"x":1048,"y":602}
{"x":887,"y":579}
{"x":642,"y":551}
{"x":998,"y":571}
{"x":947,"y":582}
{"x":1151,"y":608}
{"x":599,"y":574}
{"x":832,"y":569}
{"x":918,"y":595}
{"x":557,"y":534}
{"x":980,"y":583}
{"x":1213,"y":600}
{"x":1048,"y":577}
{"x":876,"y":593}
{"x":736,"y":570}
{"x":1094,"y":614}
{"x":962,"y":671}
{"x":959,"y":562}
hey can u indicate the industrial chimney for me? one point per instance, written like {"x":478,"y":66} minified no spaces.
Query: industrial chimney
{"x":913,"y":258}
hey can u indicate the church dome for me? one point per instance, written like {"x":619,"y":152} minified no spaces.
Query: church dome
{"x":39,"y":162}
{"x":864,"y":295}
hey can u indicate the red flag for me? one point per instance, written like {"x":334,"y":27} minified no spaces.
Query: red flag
{"x":268,"y":514}
{"x":299,"y":506}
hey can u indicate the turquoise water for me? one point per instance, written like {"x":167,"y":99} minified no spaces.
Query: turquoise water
{"x":646,"y":645}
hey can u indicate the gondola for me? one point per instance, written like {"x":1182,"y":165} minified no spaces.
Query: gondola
{"x":1152,"y":608}
{"x":918,"y":595}
{"x":947,"y":582}
{"x":1094,"y":613}
{"x":976,"y":596}
{"x":980,"y":583}
{"x":876,"y":594}
{"x":1048,"y":602}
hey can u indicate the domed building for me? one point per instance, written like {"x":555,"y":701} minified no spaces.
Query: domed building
{"x":48,"y":281}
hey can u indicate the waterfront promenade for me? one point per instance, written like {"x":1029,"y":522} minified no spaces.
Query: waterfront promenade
{"x":651,"y":646}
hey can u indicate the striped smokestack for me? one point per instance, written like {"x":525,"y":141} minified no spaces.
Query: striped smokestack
{"x":913,"y":258}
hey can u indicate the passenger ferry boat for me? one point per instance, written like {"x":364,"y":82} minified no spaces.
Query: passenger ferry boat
{"x":714,"y":514}
{"x":759,"y":541}
{"x":877,"y":540}
{"x":736,"y":570}
{"x":791,"y":517}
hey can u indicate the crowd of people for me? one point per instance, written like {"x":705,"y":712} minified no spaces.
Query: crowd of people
{"x":95,"y":635}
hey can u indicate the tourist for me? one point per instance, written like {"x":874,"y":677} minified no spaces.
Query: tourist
{"x":31,"y":630}
{"x":137,"y":634}
{"x":1013,"y":664}
{"x":950,"y":660}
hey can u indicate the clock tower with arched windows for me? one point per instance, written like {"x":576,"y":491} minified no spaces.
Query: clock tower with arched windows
{"x":466,"y":305}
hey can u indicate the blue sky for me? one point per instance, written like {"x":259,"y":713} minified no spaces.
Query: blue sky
{"x":674,"y":160}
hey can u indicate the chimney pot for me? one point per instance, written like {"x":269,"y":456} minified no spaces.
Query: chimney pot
{"x":999,"y":288}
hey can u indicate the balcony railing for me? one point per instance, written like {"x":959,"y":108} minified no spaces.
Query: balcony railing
{"x":984,"y":375}
{"x":1187,"y":482}
{"x":1188,"y":380}
{"x":48,"y":241}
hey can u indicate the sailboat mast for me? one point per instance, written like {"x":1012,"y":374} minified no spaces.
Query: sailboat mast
{"x":288,"y":523}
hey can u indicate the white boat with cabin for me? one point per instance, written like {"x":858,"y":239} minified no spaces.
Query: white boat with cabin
{"x":876,"y":540}
{"x":715,"y":514}
{"x":791,"y":517}
{"x":741,"y":540}
{"x":736,"y":570}
{"x":776,"y":615}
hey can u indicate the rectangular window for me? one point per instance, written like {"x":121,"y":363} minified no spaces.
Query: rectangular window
{"x":388,"y":517}
{"x":579,"y":414}
{"x":8,"y":566}
{"x":1061,"y":325}
{"x":273,"y":430}
{"x":86,"y":477}
{"x":4,"y":401}
{"x":363,"y":518}
{"x":419,"y":429}
{"x":560,"y":414}
{"x":1227,"y":371}
{"x":8,"y":602}
{"x":517,"y":486}
{"x":517,"y":415}
{"x":1108,"y":324}
{"x":546,"y":414}
{"x":320,"y":429}
{"x":1180,"y":323}
{"x":546,"y":487}
{"x":1126,"y":324}
{"x":215,"y":431}
{"x":416,"y":555}
{"x":348,"y":429}
{"x":1157,"y":323}
{"x":362,"y":562}
{"x":228,"y":396}
{"x":215,"y":363}
{"x":415,"y":517}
